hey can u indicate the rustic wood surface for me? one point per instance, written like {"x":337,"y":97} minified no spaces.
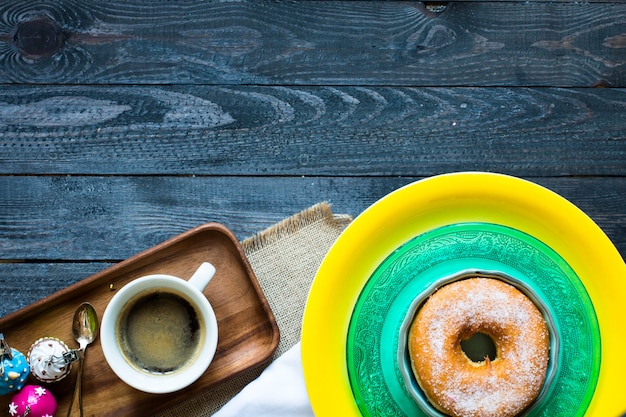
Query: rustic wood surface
{"x":125,"y":123}
{"x":248,"y":334}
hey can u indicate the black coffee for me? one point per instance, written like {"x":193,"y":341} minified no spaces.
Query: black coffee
{"x":160,"y":332}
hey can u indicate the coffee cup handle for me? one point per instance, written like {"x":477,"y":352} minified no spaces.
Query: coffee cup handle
{"x":203,"y":275}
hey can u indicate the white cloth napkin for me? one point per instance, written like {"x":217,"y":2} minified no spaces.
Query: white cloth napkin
{"x":278,"y":391}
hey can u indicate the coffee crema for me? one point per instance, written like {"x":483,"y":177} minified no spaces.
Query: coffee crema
{"x":160,"y":332}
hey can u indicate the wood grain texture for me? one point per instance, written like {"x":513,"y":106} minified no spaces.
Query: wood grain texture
{"x":42,"y":279}
{"x":55,"y":231}
{"x":314,"y":43}
{"x":361,"y":131}
{"x":113,"y":218}
{"x":124,"y":123}
{"x":248,"y":334}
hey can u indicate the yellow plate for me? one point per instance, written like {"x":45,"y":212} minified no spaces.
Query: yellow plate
{"x":440,"y":201}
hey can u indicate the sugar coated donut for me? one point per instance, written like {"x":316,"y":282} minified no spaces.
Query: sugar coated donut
{"x":461,"y":387}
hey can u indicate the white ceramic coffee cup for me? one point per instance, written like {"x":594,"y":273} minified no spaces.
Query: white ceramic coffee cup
{"x":191,"y":290}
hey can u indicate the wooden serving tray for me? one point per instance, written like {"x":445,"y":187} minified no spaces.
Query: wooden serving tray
{"x":248,"y":334}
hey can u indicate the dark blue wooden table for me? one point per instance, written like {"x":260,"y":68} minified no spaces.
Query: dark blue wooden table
{"x":124,"y":123}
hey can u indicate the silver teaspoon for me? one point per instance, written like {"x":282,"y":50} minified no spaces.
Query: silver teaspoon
{"x":85,"y":330}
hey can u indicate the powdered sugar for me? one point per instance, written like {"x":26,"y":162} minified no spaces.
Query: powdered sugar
{"x":502,"y":387}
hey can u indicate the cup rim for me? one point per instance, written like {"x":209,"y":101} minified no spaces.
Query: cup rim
{"x":157,"y":384}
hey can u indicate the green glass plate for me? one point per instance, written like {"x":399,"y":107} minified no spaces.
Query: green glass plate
{"x":377,"y":379}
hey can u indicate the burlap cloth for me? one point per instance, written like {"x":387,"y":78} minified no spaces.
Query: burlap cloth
{"x":285,"y":258}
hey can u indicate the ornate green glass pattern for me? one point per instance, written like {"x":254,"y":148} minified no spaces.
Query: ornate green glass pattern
{"x":386,"y":299}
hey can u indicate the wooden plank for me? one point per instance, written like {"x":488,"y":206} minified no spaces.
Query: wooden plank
{"x":438,"y":4}
{"x":59,"y":224}
{"x":248,"y":334}
{"x":255,"y":130}
{"x":313,"y":43}
{"x":112,"y":218}
{"x":21,"y":284}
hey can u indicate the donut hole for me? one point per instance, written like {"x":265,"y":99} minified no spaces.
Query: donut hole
{"x":479,"y":347}
{"x":475,"y":342}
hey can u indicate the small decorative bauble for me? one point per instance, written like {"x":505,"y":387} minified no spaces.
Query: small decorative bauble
{"x":13,"y":368}
{"x":33,"y":401}
{"x":50,"y":359}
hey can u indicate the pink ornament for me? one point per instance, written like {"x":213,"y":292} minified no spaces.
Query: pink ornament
{"x":33,"y":401}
